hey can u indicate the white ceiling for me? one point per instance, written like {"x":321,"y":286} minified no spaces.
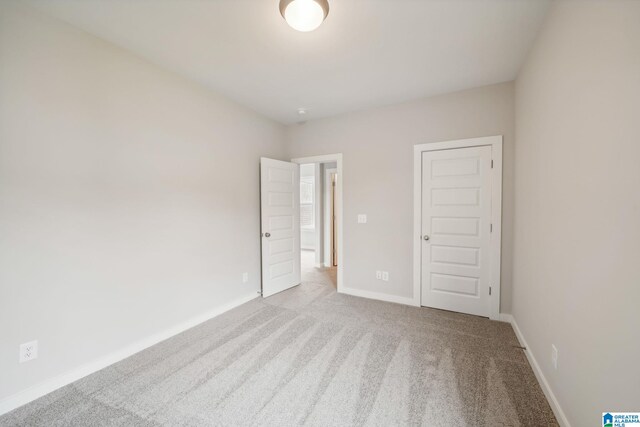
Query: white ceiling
{"x":367,"y":53}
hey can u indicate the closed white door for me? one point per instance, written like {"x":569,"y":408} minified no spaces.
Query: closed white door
{"x":456,"y":229}
{"x":280,"y":225}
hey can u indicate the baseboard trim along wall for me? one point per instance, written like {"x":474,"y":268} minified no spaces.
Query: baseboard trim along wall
{"x":21,"y":398}
{"x":555,"y":405}
{"x":378,"y":296}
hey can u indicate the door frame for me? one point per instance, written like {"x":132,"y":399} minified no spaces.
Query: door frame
{"x":330,"y":158}
{"x":328,"y":221}
{"x":495,"y":142}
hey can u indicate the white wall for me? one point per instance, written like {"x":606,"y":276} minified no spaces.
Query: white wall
{"x":577,"y":208}
{"x":129,"y":197}
{"x":377,"y":147}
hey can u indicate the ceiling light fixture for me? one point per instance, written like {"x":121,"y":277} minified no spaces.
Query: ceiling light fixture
{"x":304,"y":15}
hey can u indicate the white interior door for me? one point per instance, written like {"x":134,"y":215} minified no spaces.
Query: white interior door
{"x":456,"y":227}
{"x":280,"y":225}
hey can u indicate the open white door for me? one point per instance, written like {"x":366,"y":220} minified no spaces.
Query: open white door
{"x":280,"y":225}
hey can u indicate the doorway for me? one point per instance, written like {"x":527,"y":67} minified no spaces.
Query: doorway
{"x":457,"y":225}
{"x":321,"y":220}
{"x":318,"y":223}
{"x":284,"y":220}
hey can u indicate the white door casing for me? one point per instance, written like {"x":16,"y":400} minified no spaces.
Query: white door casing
{"x":329,"y":214}
{"x":457,"y":204}
{"x":280,"y":225}
{"x":335,"y":225}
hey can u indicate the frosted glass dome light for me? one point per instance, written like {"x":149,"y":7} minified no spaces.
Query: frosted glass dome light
{"x":304,"y":15}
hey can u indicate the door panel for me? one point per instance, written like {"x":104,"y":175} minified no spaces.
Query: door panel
{"x":456,"y":217}
{"x":280,"y":225}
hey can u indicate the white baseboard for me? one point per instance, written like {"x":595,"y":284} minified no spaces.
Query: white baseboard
{"x":378,"y":296}
{"x":25,"y":396}
{"x":555,"y":405}
{"x":506,"y":317}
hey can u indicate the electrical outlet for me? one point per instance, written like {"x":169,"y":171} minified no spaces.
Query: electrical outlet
{"x":378,"y":274}
{"x":554,"y":356}
{"x":385,"y":276}
{"x":245,"y":277}
{"x":28,"y":351}
{"x":362,"y":219}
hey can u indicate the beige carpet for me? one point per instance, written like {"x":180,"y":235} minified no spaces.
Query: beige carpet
{"x":309,"y":273}
{"x":312,"y":356}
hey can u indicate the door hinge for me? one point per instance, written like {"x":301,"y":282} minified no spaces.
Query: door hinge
{"x":489,"y":290}
{"x":490,"y":228}
{"x":491,"y":163}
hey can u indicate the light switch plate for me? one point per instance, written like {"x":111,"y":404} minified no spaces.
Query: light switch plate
{"x":362,"y":219}
{"x":385,"y":276}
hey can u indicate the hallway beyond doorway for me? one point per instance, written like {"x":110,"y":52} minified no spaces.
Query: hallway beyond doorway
{"x":309,"y":273}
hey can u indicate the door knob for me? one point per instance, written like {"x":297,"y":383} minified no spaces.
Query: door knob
{"x":267,"y":234}
{"x":426,"y":237}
